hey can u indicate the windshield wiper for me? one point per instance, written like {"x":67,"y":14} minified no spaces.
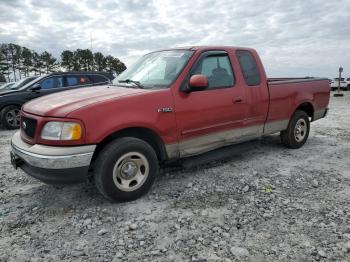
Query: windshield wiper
{"x":128,"y":81}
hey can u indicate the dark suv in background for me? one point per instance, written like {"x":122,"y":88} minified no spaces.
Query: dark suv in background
{"x":12,"y":100}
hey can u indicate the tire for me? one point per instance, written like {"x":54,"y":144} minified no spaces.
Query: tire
{"x":348,"y":88}
{"x":10,"y":117}
{"x":125,"y":169}
{"x":297,"y":132}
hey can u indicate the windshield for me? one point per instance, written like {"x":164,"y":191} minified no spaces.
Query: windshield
{"x":155,"y":70}
{"x":17,"y":84}
{"x":6,"y":86}
{"x":29,"y":84}
{"x":337,"y":79}
{"x":22,"y":82}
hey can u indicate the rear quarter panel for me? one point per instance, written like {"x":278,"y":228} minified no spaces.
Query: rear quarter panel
{"x":286,"y":97}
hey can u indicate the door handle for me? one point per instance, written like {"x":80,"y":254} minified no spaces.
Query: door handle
{"x":237,"y":100}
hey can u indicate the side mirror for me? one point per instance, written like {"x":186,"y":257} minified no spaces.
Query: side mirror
{"x":198,"y":82}
{"x":35,"y":87}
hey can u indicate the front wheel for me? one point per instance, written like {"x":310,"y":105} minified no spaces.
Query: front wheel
{"x":126,"y":169}
{"x":10,"y":117}
{"x":298,"y":130}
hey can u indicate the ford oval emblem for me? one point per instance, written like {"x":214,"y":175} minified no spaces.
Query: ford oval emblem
{"x":24,"y":125}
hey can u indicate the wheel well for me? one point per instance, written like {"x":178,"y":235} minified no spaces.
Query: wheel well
{"x":142,"y":133}
{"x":2,"y":107}
{"x":307,"y":108}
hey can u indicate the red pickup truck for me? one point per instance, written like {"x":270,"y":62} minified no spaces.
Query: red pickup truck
{"x":170,"y":104}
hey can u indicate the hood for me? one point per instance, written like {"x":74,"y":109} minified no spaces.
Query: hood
{"x":62,"y":103}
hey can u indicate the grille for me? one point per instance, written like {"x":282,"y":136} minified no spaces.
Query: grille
{"x":28,"y":126}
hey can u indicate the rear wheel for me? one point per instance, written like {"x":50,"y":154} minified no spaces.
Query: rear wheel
{"x":298,"y":130}
{"x":10,"y":117}
{"x":126,"y":169}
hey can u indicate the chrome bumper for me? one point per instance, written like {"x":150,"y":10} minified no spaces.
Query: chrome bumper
{"x":51,"y":157}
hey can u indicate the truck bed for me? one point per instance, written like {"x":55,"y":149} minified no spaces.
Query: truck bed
{"x":290,"y":93}
{"x":293,"y":79}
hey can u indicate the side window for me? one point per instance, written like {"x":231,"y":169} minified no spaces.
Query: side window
{"x":218,"y":69}
{"x":77,"y":80}
{"x":72,"y":80}
{"x":249,"y":68}
{"x":84,"y":80}
{"x":52,"y":82}
{"x":98,"y":79}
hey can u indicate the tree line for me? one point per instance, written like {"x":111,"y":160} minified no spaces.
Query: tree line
{"x":18,"y":62}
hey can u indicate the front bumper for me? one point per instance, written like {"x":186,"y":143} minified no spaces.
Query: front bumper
{"x":52,"y":164}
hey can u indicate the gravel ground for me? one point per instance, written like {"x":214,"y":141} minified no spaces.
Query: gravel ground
{"x":267,"y":204}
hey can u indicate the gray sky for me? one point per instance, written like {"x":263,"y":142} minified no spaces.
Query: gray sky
{"x":294,"y":38}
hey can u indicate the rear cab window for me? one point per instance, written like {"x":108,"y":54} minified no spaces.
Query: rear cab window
{"x":249,"y":67}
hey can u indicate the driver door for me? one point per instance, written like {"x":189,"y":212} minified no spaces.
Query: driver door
{"x":208,"y":119}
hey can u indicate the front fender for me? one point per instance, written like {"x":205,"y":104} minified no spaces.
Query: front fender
{"x":112,"y":116}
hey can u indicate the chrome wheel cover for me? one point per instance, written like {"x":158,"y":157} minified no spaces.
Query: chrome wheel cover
{"x":300,"y":130}
{"x":130,"y":171}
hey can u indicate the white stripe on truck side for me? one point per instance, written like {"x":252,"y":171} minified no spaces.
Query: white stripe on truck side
{"x":275,"y":126}
{"x":205,"y":143}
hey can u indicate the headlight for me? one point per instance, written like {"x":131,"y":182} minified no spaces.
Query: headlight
{"x":61,"y":131}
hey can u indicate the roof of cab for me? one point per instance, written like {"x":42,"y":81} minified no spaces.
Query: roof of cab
{"x":203,"y":48}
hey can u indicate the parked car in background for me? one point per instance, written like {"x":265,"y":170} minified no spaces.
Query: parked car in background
{"x":344,"y":84}
{"x":348,"y":84}
{"x":11,"y":100}
{"x":171,"y":104}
